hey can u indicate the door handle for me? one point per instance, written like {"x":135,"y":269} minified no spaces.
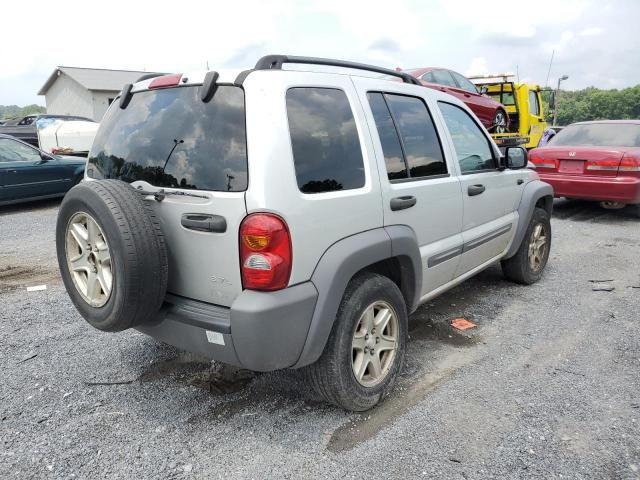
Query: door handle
{"x":474,"y":190}
{"x":520,"y":181}
{"x":204,"y":223}
{"x":400,"y":203}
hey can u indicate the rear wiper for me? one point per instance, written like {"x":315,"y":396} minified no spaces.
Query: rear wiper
{"x":160,"y":195}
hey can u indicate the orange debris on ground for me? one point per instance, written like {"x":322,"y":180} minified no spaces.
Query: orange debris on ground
{"x":462,"y":324}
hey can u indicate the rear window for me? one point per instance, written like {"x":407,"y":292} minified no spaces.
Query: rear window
{"x":324,"y":138}
{"x":170,"y":138}
{"x":598,"y":135}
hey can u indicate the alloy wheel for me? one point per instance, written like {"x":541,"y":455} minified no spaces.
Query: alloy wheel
{"x":537,"y":247}
{"x":374,"y":344}
{"x":89,"y":259}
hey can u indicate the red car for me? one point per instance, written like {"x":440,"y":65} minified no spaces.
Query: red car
{"x":492,"y":114}
{"x":597,"y":160}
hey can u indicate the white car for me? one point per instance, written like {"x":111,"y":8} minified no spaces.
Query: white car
{"x":288,"y":218}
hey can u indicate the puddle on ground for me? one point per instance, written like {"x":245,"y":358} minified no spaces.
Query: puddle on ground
{"x":13,"y":277}
{"x":192,"y":369}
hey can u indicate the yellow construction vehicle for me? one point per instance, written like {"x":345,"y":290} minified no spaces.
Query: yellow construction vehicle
{"x":523,"y":102}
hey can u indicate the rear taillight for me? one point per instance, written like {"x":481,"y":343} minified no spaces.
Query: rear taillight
{"x":540,"y":162}
{"x":165,"y":81}
{"x":629,"y":163}
{"x":602,"y":165}
{"x":265,"y":252}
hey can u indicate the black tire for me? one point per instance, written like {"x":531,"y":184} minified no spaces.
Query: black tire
{"x":332,"y":376}
{"x":136,"y":246}
{"x":518,"y":267}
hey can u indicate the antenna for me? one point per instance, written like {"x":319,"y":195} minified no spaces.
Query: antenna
{"x":546,"y":84}
{"x":207,"y":65}
{"x":517,"y":74}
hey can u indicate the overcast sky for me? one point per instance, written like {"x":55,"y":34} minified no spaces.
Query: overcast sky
{"x":596,"y":42}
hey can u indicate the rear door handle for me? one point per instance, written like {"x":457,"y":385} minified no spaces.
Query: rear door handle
{"x":474,"y":190}
{"x":400,"y":203}
{"x":204,"y":223}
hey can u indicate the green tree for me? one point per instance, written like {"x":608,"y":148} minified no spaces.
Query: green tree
{"x":14,"y":111}
{"x":595,"y":104}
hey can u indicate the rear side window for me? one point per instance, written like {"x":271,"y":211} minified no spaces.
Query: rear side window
{"x":326,"y":148}
{"x":428,"y":77}
{"x":408,"y":136}
{"x":170,"y":138}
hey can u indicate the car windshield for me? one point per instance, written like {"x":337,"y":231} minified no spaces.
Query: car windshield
{"x":171,"y":138}
{"x":598,"y":135}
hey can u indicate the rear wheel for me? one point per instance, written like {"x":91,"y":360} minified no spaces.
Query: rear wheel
{"x":499,"y":124}
{"x":366,"y":347}
{"x":527,"y":265}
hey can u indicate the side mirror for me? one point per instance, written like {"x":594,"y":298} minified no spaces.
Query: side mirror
{"x":484,"y":89}
{"x":516,"y":157}
{"x":45,"y":157}
{"x":552,"y":100}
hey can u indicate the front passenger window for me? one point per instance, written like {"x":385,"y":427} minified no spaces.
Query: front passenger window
{"x":472,"y":147}
{"x":13,"y":151}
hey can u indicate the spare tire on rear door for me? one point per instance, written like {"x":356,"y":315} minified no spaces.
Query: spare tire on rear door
{"x":111,"y":254}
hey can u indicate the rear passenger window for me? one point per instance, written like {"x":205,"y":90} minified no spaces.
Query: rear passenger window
{"x":326,"y":148}
{"x":408,"y":136}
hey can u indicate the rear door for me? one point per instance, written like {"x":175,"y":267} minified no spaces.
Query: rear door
{"x":420,"y":187}
{"x":170,"y":139}
{"x":489,"y":195}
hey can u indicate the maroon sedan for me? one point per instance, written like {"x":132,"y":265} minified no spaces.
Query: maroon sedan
{"x":594,"y":161}
{"x":492,"y":114}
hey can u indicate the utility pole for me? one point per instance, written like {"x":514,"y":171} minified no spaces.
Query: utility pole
{"x":555,"y":113}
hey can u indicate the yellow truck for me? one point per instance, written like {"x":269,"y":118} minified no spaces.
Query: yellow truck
{"x":523,"y":102}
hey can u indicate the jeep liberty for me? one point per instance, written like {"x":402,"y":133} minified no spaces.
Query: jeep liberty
{"x":293,"y":217}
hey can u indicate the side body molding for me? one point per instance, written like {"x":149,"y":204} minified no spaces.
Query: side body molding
{"x":341,"y":262}
{"x":533,"y":191}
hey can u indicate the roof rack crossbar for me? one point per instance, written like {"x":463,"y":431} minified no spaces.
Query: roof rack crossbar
{"x":275,"y":62}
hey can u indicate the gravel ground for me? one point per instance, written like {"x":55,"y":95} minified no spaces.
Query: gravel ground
{"x":547,"y":386}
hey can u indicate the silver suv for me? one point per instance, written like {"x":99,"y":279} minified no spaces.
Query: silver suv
{"x":293,"y":217}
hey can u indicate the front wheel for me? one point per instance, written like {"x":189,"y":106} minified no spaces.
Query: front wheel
{"x":527,"y":265}
{"x":366,"y":347}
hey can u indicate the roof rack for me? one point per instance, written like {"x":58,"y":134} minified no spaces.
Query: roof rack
{"x":275,"y":62}
{"x":504,"y":76}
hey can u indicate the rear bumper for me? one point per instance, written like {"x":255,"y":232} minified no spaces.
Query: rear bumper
{"x":262,"y":331}
{"x":612,"y":189}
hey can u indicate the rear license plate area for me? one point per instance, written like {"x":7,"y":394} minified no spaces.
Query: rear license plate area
{"x":571,"y":166}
